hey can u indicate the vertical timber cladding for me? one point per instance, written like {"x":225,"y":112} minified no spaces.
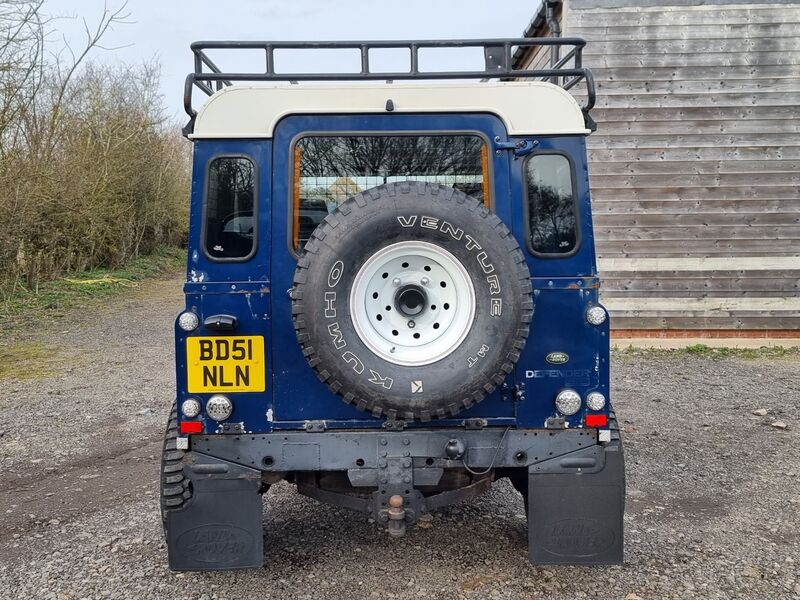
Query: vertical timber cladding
{"x":695,"y":165}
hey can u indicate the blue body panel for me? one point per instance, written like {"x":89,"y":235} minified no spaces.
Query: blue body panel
{"x":256,"y":291}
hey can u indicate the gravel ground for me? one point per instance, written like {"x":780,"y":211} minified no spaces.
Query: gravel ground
{"x":713,"y":490}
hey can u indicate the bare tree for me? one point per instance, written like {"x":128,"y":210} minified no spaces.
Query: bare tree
{"x":91,"y":171}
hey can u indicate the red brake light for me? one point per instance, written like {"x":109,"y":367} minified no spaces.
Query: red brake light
{"x":596,"y":420}
{"x":191,"y":427}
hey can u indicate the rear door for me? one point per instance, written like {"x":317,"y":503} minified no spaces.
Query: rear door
{"x":228,"y":281}
{"x":308,"y":184}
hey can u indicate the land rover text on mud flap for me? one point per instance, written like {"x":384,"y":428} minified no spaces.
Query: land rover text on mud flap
{"x":391,"y":301}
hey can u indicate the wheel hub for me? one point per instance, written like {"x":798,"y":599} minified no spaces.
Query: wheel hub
{"x":411,"y":300}
{"x":412,"y":303}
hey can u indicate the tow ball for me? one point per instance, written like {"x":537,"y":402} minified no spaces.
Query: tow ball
{"x":396,"y":514}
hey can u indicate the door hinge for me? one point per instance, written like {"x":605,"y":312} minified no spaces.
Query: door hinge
{"x":520,"y":147}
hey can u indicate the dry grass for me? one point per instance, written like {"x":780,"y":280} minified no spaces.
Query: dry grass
{"x":28,"y":361}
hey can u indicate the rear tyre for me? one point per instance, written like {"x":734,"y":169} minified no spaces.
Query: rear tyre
{"x":412,"y":301}
{"x":175,"y":488}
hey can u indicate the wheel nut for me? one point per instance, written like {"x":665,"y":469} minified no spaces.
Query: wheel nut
{"x":396,"y":281}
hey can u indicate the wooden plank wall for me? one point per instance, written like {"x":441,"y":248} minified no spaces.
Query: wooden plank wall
{"x":695,"y":165}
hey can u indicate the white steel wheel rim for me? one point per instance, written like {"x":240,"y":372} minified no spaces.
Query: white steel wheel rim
{"x":383,"y":296}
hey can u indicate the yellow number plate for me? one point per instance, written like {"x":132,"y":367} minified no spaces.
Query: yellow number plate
{"x":225,"y":364}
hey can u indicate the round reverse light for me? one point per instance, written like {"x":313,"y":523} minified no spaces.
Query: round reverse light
{"x":568,"y":402}
{"x":190,"y":408}
{"x":596,"y":315}
{"x":188,"y":321}
{"x":219,"y":408}
{"x":596,"y":401}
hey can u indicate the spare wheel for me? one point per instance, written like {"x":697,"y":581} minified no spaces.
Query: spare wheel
{"x":412,"y":301}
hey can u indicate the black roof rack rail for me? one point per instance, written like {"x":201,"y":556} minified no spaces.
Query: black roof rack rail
{"x":498,"y":55}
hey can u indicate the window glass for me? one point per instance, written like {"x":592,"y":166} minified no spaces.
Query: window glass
{"x":230,"y":222}
{"x":551,"y":204}
{"x":330,"y":169}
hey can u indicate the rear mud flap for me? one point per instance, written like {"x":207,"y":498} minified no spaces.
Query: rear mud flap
{"x":575,"y":508}
{"x":219,"y":527}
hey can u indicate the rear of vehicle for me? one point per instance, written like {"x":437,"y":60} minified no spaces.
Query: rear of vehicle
{"x":391,"y":302}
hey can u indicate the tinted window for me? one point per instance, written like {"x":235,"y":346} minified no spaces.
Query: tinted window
{"x":551,"y":204}
{"x":334,"y":168}
{"x":230,"y":222}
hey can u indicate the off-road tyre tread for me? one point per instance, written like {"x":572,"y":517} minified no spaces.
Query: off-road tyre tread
{"x":175,"y":488}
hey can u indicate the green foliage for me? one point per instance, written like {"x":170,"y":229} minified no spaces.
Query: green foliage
{"x":698,"y":349}
{"x":50,"y":298}
{"x":704,"y":351}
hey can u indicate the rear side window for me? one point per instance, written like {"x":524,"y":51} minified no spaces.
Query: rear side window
{"x":330,"y":169}
{"x":230,"y":221}
{"x":552,"y":219}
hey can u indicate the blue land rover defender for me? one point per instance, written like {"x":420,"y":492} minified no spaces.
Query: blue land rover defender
{"x":391,"y":300}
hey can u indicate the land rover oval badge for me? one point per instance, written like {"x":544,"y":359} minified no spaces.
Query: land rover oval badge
{"x":557,"y":358}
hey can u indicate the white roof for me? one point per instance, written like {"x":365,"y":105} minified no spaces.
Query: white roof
{"x":253,"y":111}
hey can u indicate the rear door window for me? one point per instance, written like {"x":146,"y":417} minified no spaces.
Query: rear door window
{"x":330,"y":169}
{"x":552,"y":211}
{"x":230,"y":220}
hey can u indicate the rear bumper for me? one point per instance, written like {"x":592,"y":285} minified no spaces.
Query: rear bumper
{"x":575,"y":486}
{"x":363,"y":453}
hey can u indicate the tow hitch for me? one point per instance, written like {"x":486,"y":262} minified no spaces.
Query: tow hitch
{"x":396,"y":516}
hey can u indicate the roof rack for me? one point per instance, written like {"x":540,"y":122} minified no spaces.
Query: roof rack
{"x":567,"y":72}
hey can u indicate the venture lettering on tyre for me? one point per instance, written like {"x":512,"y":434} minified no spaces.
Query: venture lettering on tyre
{"x":412,"y":301}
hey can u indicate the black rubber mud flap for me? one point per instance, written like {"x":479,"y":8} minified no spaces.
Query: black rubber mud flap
{"x":575,"y":508}
{"x":219,"y":527}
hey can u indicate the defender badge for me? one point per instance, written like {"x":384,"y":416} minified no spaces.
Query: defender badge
{"x":557,"y":358}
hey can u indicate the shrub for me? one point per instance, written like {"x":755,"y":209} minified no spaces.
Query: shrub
{"x":91,"y":172}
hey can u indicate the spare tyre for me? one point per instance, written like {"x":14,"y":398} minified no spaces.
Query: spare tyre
{"x":412,"y":301}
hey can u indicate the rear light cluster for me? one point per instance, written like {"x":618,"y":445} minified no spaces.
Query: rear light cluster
{"x":568,"y":402}
{"x":595,"y":401}
{"x":188,"y":321}
{"x":190,"y":408}
{"x":596,"y":420}
{"x":188,"y":427}
{"x":596,"y":315}
{"x":218,"y":407}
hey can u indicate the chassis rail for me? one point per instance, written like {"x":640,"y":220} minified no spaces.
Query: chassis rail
{"x":566,"y":72}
